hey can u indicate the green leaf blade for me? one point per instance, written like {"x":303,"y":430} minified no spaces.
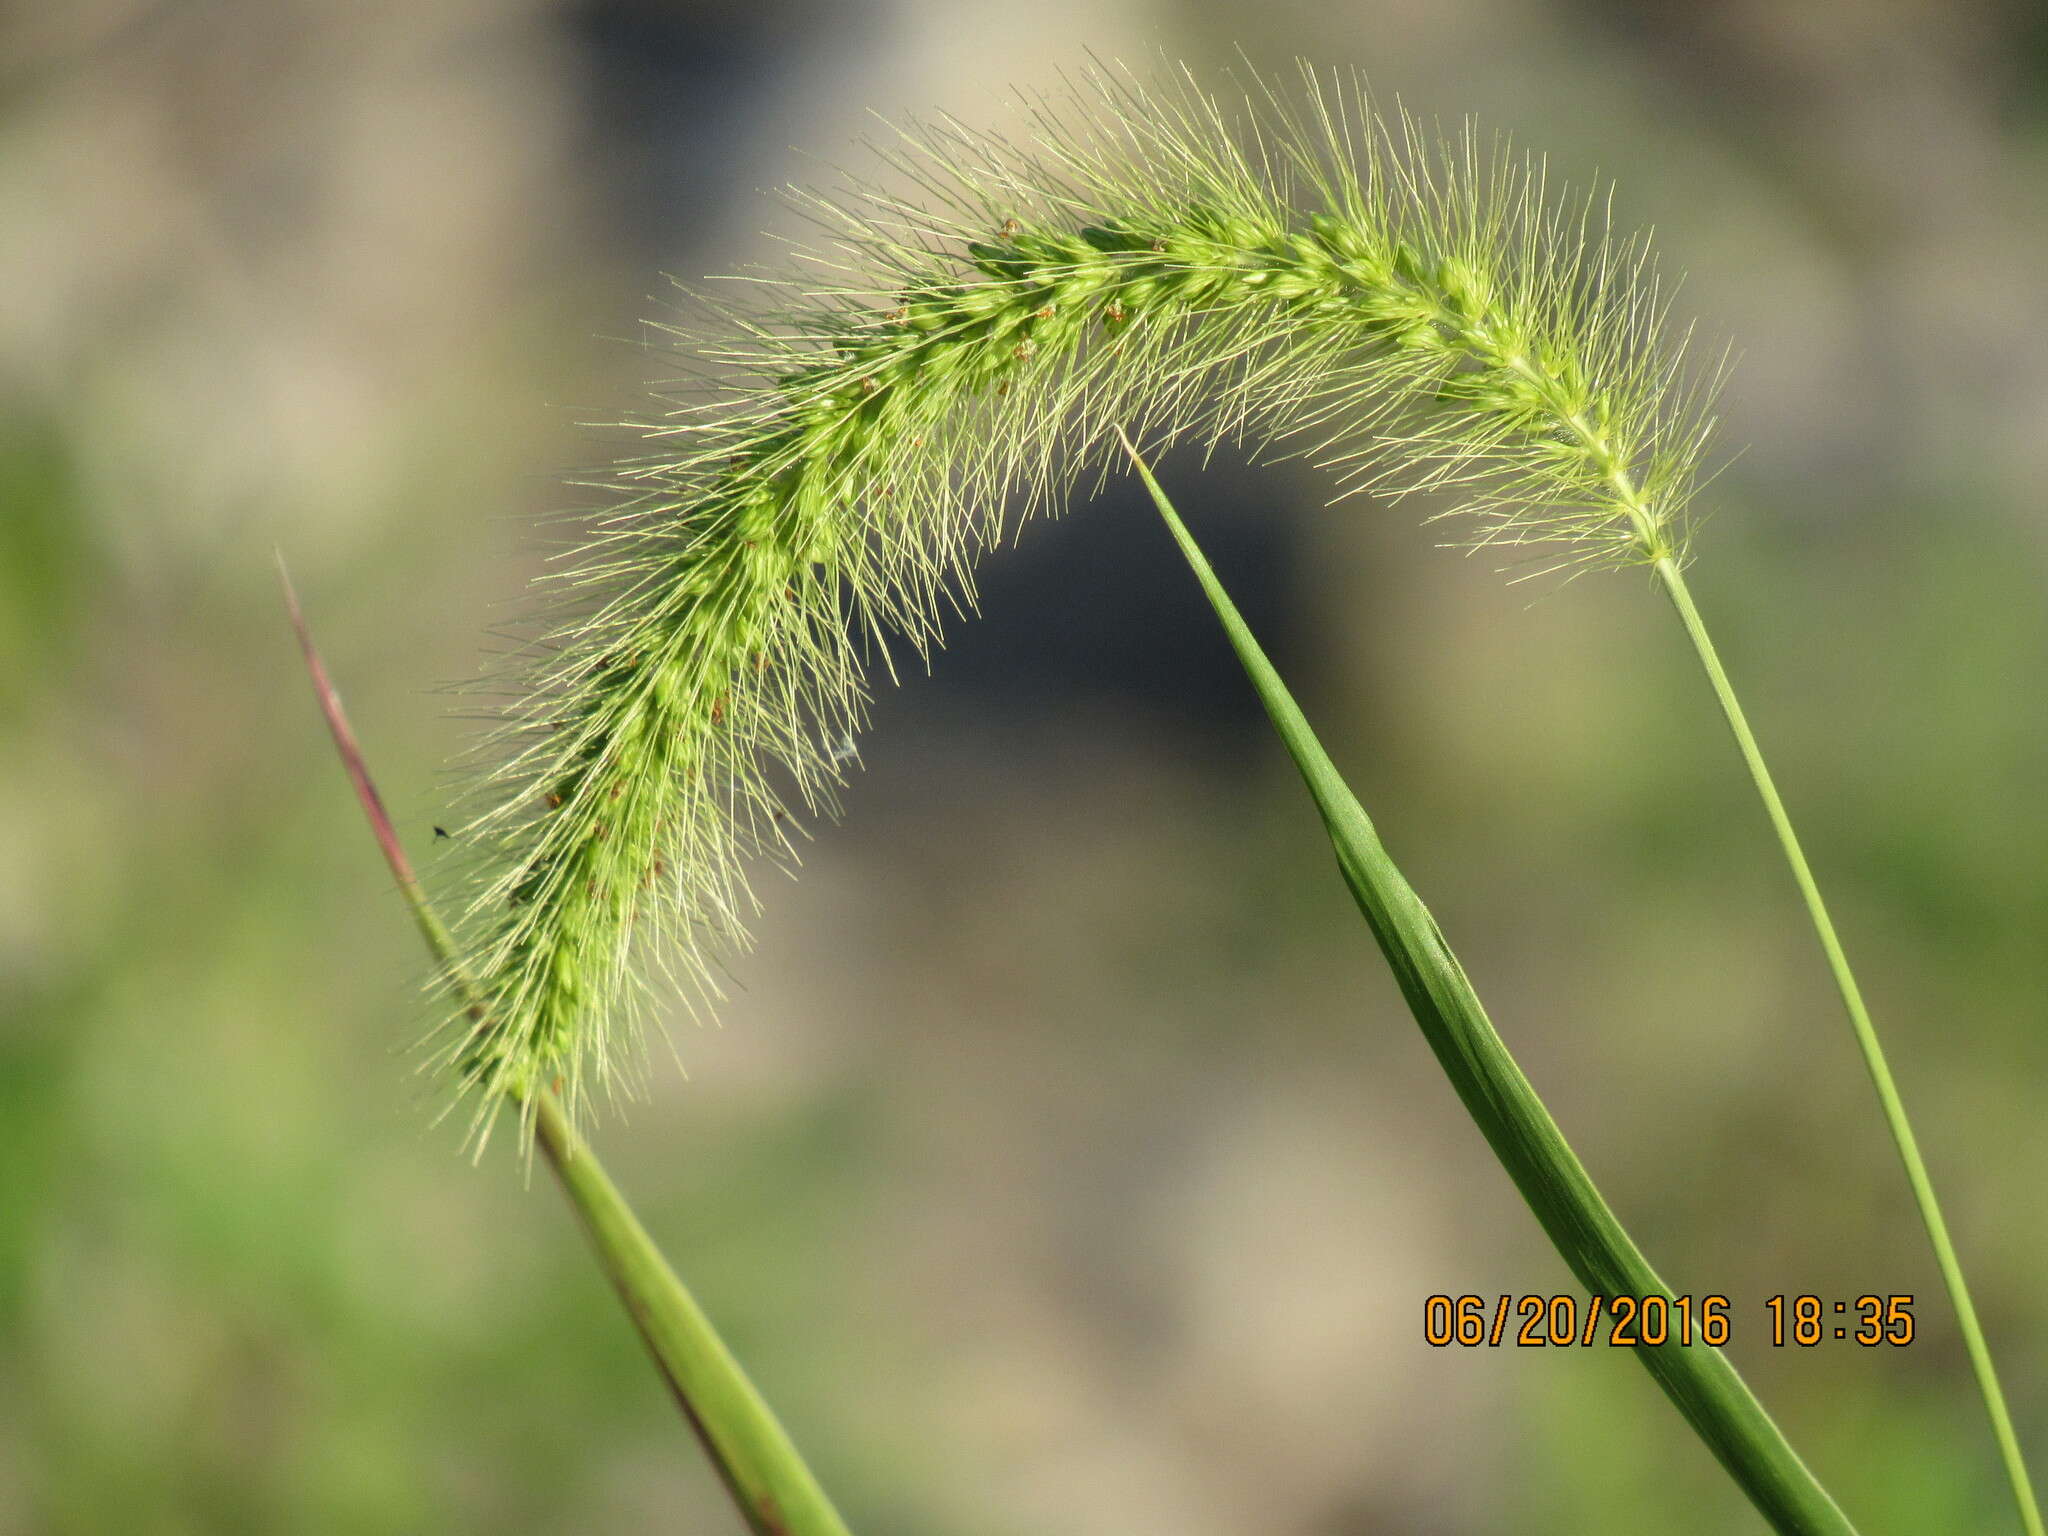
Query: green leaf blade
{"x":1699,"y":1379}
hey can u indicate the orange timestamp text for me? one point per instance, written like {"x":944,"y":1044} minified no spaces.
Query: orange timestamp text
{"x":1627,"y":1322}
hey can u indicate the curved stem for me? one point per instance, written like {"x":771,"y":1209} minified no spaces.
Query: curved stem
{"x":1675,"y":588}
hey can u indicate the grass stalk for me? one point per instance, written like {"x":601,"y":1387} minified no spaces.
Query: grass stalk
{"x":1699,"y":1380}
{"x":754,"y":1455}
{"x":755,"y":1458}
{"x":1672,"y":579}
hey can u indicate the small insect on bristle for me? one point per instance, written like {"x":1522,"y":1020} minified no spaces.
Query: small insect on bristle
{"x":1011,"y":230}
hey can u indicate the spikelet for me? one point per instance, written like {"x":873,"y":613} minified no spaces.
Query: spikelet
{"x":1414,"y":311}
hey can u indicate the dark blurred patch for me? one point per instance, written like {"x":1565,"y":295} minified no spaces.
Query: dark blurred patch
{"x":2028,"y":52}
{"x":1101,"y":607}
{"x":673,"y":94}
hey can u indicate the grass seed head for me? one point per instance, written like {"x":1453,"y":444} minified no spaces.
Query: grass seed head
{"x":1417,"y":312}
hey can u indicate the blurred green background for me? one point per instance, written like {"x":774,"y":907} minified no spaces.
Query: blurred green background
{"x":1065,"y":1162}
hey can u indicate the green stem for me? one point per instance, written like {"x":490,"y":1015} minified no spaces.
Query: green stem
{"x":755,"y":1458}
{"x":746,"y":1442}
{"x":1866,"y":1039}
{"x":1699,"y":1379}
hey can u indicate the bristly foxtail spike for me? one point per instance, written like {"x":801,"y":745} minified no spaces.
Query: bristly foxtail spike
{"x":1295,"y":272}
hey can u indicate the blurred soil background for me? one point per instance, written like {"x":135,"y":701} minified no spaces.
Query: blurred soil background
{"x":1065,"y":1162}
